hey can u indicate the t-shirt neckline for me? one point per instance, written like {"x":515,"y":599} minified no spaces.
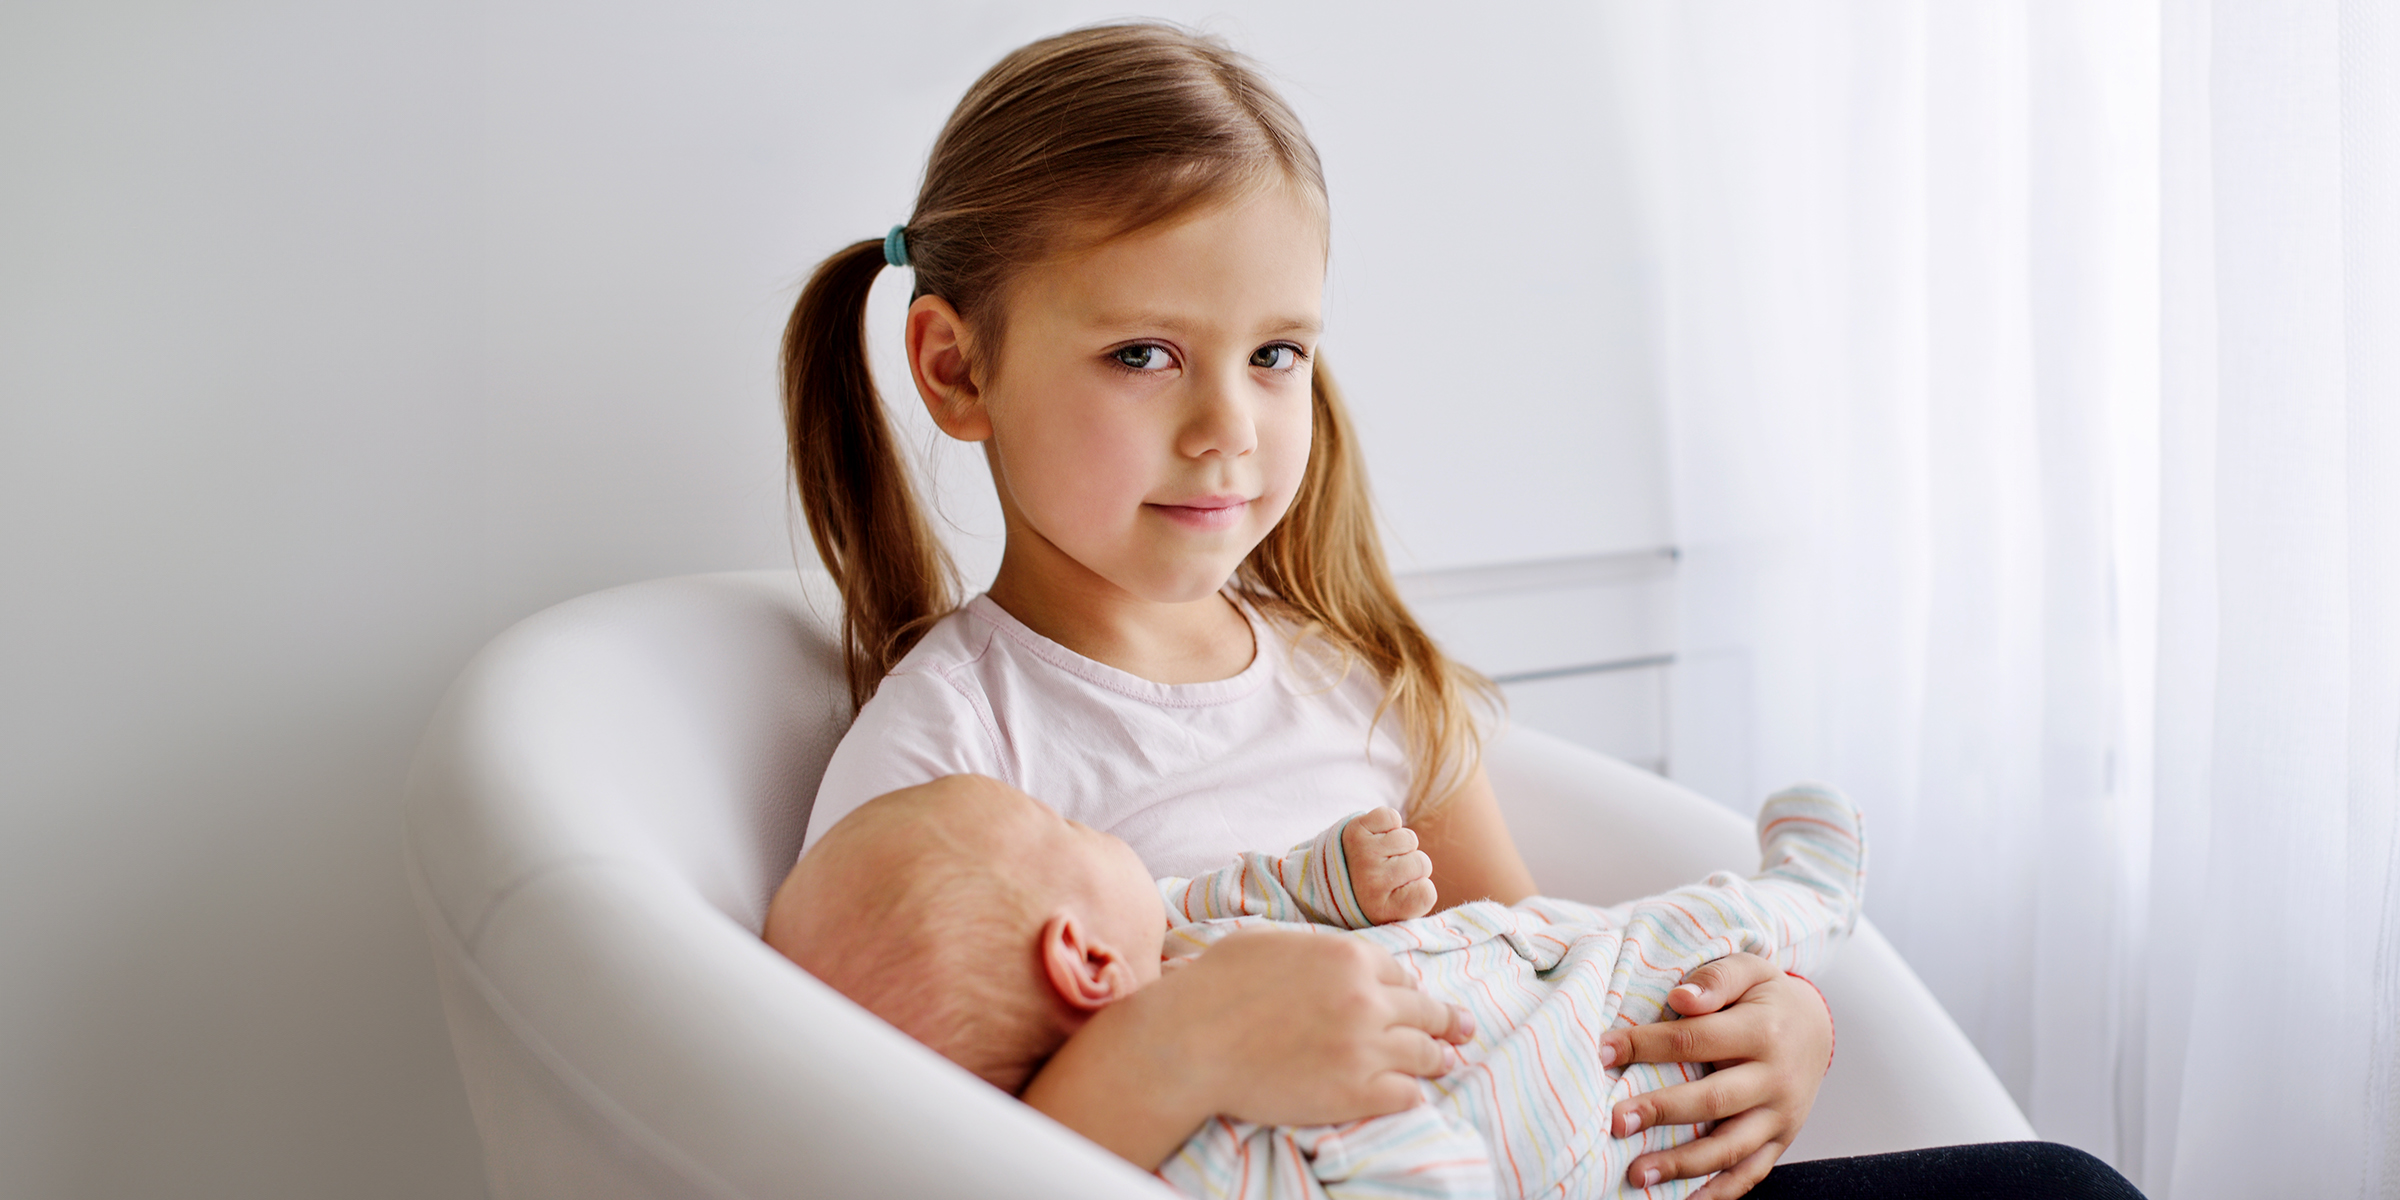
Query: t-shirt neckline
{"x":1172,"y":695}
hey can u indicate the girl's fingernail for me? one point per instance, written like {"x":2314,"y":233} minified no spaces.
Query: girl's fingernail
{"x":1633,"y":1125}
{"x":1608,"y":1055}
{"x":1650,"y":1177}
{"x":1692,"y":988}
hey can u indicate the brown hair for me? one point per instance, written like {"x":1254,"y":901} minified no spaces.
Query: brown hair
{"x":1103,"y":130}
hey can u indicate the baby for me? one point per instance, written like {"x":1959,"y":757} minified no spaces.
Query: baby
{"x":981,"y":923}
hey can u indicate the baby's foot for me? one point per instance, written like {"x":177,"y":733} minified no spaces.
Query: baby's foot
{"x":1393,"y":879}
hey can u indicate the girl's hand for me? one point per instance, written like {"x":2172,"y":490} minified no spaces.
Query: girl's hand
{"x":1770,"y":1038}
{"x":1280,"y":1027}
{"x":1393,"y":879}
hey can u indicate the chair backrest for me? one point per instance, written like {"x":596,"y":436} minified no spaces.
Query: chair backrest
{"x":683,"y":723}
{"x":598,"y":815}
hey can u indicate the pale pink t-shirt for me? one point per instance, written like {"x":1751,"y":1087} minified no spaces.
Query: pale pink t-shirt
{"x":1190,"y":775}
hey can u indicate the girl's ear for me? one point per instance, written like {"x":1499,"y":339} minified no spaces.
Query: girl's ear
{"x":938,"y":345}
{"x":1085,"y":973}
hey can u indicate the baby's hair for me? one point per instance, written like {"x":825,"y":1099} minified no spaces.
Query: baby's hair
{"x":909,"y":915}
{"x":1091,"y":135}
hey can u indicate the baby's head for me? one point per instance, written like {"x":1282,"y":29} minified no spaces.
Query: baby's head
{"x":975,"y":919}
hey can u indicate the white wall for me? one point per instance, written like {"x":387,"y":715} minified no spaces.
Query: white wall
{"x":333,"y":340}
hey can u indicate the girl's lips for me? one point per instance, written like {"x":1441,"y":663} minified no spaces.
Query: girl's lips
{"x":1206,"y":512}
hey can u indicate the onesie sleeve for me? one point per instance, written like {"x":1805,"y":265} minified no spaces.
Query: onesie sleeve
{"x":1310,"y":884}
{"x":919,"y":727}
{"x":1803,"y":902}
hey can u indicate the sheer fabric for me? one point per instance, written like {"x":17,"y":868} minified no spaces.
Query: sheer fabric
{"x":2035,"y":418}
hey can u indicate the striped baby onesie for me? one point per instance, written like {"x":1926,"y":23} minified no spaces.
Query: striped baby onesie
{"x":1527,"y":1113}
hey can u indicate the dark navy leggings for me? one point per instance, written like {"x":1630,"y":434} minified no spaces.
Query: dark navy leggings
{"x":1991,"y":1171}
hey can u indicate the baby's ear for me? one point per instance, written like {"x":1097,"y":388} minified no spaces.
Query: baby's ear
{"x":1085,"y":973}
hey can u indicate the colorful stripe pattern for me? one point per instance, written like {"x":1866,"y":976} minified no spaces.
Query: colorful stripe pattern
{"x":1309,"y":886}
{"x":1526,"y":1112}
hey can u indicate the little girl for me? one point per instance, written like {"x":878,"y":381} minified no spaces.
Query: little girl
{"x":1192,"y":642}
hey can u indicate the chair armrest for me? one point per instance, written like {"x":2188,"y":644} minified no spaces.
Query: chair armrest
{"x":662,"y":1050}
{"x":1602,"y":831}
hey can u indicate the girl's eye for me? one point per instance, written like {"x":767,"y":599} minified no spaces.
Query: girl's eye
{"x":1277,"y":357}
{"x":1144,"y":357}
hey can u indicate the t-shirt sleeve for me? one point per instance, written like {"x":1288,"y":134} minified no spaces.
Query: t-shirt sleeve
{"x":918,"y":728}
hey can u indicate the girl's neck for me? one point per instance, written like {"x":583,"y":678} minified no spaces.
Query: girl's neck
{"x":1195,"y":641}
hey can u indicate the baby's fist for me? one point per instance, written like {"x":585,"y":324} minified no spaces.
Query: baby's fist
{"x":1393,"y":879}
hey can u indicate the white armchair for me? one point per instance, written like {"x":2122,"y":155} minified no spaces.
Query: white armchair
{"x":614,"y":787}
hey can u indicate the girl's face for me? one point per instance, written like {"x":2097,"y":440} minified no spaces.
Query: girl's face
{"x":1149,"y":412}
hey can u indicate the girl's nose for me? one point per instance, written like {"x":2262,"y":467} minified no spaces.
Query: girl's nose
{"x":1220,"y":421}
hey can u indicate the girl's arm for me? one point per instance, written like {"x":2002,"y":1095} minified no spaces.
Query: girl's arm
{"x":1279,"y":1027}
{"x":1473,"y":856}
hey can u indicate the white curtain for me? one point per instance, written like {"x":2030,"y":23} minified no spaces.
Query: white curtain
{"x":2033,"y":374}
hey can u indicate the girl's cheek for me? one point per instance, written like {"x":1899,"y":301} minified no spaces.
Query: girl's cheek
{"x":1289,"y":448}
{"x":1089,"y":497}
{"x":1077,"y":457}
{"x":1112,"y":467}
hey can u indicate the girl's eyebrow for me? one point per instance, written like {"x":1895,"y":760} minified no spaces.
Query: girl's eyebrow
{"x":1134,"y":322}
{"x":1307,"y":326}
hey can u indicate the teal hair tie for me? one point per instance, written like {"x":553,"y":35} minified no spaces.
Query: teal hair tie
{"x":895,"y":248}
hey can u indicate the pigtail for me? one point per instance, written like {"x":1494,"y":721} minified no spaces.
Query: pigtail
{"x":1323,"y":568}
{"x":895,"y":577}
